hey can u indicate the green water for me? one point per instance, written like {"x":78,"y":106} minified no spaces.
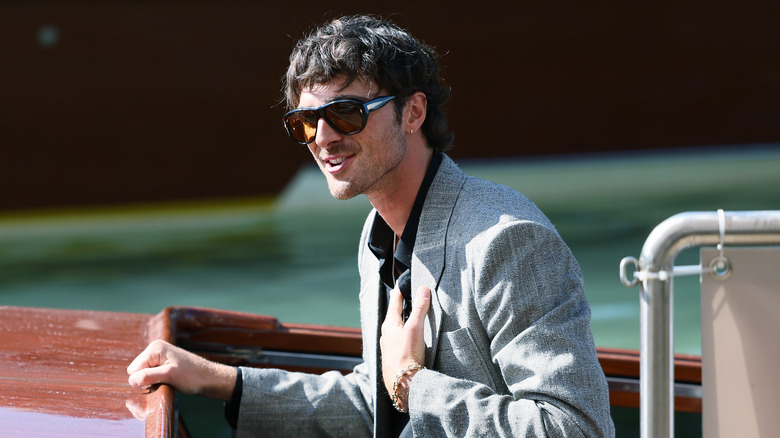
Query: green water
{"x":295,"y":258}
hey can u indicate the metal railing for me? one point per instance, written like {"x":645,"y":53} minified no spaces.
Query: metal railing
{"x":655,"y":271}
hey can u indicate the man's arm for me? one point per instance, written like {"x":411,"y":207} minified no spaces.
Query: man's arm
{"x":189,"y":373}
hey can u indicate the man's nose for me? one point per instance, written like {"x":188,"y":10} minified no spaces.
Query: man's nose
{"x":326,"y":135}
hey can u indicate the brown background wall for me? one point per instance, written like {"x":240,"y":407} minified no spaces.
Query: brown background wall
{"x":110,"y":102}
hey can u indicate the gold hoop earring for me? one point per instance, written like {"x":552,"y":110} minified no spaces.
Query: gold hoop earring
{"x":411,"y":131}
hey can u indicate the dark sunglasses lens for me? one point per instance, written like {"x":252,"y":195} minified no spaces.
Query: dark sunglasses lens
{"x":303,"y":125}
{"x":347,"y":116}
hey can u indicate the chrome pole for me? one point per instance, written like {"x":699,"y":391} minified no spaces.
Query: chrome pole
{"x":656,"y":264}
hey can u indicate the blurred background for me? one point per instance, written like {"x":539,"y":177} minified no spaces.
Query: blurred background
{"x":108,"y":103}
{"x":144,"y":163}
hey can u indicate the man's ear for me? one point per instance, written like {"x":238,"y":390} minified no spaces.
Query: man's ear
{"x":415,"y":111}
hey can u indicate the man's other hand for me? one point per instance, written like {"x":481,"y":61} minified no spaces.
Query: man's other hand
{"x":189,"y":373}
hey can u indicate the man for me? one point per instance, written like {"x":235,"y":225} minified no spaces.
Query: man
{"x":494,"y":341}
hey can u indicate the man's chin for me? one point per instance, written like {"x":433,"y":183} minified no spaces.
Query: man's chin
{"x":342,"y":192}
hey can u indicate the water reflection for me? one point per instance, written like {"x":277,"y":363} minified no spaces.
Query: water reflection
{"x":18,"y":422}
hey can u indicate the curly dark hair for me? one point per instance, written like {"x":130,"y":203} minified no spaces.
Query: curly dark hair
{"x":372,"y":48}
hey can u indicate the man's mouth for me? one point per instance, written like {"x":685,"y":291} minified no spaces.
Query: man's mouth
{"x":335,"y":164}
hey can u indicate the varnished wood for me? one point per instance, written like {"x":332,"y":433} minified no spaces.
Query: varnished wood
{"x":221,"y":327}
{"x":63,"y":373}
{"x":625,"y":363}
{"x":214,"y":334}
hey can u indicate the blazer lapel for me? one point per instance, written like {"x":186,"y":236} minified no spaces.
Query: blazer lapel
{"x":429,"y":246}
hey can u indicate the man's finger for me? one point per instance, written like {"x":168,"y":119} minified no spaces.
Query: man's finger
{"x":395,"y":307}
{"x":143,"y":360}
{"x":150,"y":357}
{"x":149,"y":376}
{"x":422,"y":302}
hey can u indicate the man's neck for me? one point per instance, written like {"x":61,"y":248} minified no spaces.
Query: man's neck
{"x":395,"y":202}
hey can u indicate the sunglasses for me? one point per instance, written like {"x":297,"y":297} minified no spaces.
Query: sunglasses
{"x":346,"y":116}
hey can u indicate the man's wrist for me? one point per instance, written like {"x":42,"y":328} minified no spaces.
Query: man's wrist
{"x":220,"y":382}
{"x":403,"y":382}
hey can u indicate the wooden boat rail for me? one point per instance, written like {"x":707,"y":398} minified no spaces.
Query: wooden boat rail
{"x":63,"y":372}
{"x":249,"y":340}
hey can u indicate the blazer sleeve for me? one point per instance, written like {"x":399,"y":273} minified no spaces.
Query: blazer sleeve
{"x":532,"y":328}
{"x":281,"y":403}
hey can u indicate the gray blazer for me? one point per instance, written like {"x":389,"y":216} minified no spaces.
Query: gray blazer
{"x":509,"y":347}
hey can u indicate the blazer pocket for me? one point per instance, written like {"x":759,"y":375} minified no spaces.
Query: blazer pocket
{"x":458,"y":356}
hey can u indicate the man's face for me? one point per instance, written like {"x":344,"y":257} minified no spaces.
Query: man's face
{"x":364,"y":162}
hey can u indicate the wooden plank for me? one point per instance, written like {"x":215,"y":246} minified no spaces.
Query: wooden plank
{"x":622,"y":363}
{"x":220,"y":335}
{"x":63,"y":373}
